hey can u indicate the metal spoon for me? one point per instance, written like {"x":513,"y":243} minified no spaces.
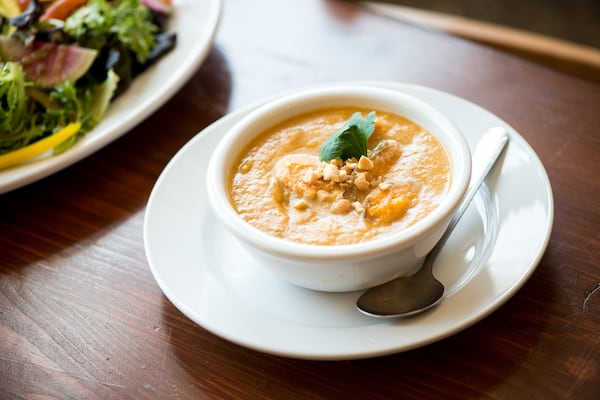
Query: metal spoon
{"x":411,"y":295}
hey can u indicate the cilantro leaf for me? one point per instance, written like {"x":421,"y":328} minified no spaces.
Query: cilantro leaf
{"x":350,"y":141}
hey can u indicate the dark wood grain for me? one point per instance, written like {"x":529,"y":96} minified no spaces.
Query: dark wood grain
{"x":82,"y":317}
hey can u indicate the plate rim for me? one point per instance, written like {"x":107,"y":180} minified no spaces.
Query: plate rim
{"x":483,"y":312}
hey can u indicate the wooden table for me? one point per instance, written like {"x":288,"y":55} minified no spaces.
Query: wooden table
{"x":82,"y":317}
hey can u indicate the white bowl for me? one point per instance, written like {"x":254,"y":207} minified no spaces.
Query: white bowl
{"x":345,"y":267}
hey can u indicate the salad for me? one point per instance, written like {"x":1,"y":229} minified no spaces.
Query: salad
{"x":63,"y":61}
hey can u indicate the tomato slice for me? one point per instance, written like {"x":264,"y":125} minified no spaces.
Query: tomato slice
{"x":61,"y":9}
{"x":24,"y":4}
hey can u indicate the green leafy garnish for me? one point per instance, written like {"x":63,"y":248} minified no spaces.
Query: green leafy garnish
{"x":350,"y":141}
{"x":100,"y":22}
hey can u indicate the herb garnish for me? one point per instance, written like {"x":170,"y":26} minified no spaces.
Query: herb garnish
{"x":350,"y":141}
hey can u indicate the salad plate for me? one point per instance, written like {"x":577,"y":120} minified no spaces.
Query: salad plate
{"x":203,"y":271}
{"x":195,"y":22}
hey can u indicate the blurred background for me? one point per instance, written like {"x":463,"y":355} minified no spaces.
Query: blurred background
{"x":562,"y":34}
{"x":574,"y":20}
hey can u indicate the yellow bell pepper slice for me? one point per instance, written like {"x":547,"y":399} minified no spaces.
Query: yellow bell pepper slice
{"x":9,"y":8}
{"x":39,"y":147}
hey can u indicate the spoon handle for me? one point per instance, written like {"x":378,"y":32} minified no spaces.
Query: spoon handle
{"x":411,"y":295}
{"x":485,"y":156}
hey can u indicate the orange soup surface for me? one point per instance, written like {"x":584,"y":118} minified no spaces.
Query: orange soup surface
{"x":279,"y":185}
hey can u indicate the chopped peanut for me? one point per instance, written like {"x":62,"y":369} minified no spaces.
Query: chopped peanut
{"x":341,"y":176}
{"x":361,"y":181}
{"x":350,"y":166}
{"x":341,"y":206}
{"x":330,"y":172}
{"x":337,"y":162}
{"x":301,"y":205}
{"x":309,"y":176}
{"x":365,"y":163}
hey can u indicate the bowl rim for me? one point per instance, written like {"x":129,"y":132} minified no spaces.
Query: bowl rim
{"x":288,"y":105}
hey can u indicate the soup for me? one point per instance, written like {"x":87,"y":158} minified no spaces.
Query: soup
{"x":280,"y":186}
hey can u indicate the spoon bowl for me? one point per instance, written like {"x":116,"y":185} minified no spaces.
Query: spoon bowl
{"x":414,"y":294}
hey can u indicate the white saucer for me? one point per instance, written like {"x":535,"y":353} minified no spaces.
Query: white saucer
{"x":206,"y":275}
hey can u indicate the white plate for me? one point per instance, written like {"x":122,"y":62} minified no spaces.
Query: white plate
{"x":195,"y":22}
{"x":206,"y":275}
